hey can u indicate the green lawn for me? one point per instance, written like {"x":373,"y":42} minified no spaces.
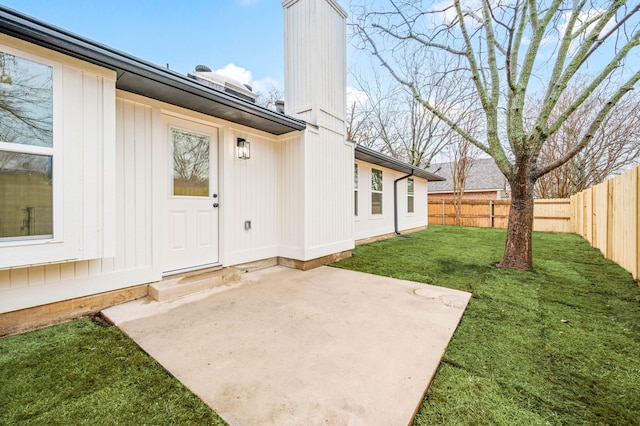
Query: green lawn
{"x":560,"y":345}
{"x":83,"y":372}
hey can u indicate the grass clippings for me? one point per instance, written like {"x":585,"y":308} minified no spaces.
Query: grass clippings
{"x":85,"y":372}
{"x":559,"y":345}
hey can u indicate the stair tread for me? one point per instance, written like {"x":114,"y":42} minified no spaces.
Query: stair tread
{"x":177,"y":287}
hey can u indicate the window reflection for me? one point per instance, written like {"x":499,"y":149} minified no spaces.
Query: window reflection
{"x":190,"y":163}
{"x":26,"y":134}
{"x":26,"y":101}
{"x":25,"y":195}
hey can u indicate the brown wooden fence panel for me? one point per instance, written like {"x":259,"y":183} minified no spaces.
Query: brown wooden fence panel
{"x":552,"y":215}
{"x":624,"y":217}
{"x":600,"y":203}
{"x":607,"y":215}
{"x":549,"y":215}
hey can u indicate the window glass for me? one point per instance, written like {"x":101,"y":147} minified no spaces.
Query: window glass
{"x":26,"y":151}
{"x":376,"y":203}
{"x":376,"y":191}
{"x":25,"y":195}
{"x":26,"y":101}
{"x":410,"y":195}
{"x":376,"y":180}
{"x":190,"y":163}
{"x":355,"y":189}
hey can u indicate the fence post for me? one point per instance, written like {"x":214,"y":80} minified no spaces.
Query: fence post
{"x":491,"y":213}
{"x":443,"y":212}
{"x":637,"y":277}
{"x":609,"y":219}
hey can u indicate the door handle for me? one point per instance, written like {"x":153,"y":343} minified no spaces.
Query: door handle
{"x":215,"y":204}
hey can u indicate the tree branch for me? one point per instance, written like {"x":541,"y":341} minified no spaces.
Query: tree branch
{"x":595,"y":125}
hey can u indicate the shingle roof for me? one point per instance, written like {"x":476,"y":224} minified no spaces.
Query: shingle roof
{"x":484,"y":175}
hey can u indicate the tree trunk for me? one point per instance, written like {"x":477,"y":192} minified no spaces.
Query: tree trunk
{"x":518,"y":253}
{"x":457,"y":202}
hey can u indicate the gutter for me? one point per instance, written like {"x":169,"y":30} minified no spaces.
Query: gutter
{"x":395,"y":204}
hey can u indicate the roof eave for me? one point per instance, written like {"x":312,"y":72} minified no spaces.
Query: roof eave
{"x":370,"y":156}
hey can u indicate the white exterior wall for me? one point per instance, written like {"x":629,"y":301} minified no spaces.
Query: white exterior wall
{"x":295,"y":189}
{"x":368,"y":225}
{"x":315,"y":61}
{"x":328,"y":199}
{"x":131,"y":262}
{"x":249,"y":190}
{"x":291,"y":190}
{"x":84,"y":188}
{"x":319,"y":220}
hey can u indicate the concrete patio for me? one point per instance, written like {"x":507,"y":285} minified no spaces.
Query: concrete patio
{"x":287,"y":347}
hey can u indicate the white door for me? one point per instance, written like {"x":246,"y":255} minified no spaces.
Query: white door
{"x":191,"y":219}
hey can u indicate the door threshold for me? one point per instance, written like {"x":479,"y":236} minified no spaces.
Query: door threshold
{"x":209,"y":267}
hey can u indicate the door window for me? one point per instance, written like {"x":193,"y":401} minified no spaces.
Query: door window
{"x":190,"y":153}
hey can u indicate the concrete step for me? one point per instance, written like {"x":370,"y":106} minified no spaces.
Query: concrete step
{"x":174,"y":287}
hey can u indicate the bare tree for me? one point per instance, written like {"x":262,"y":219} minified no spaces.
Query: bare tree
{"x":614,"y":148}
{"x":463,"y":155}
{"x":510,"y":50}
{"x":394,"y":122}
{"x":268,"y":99}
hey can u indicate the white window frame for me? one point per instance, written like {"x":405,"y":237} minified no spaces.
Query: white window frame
{"x":375,"y":191}
{"x":411,"y":195}
{"x":63,"y":245}
{"x":355,"y":189}
{"x":55,"y":152}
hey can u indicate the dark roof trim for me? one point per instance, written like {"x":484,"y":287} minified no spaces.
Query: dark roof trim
{"x":371,"y":156}
{"x":146,"y":79}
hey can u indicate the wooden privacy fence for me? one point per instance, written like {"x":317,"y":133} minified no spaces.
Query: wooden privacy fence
{"x":553,"y":215}
{"x":607,"y":215}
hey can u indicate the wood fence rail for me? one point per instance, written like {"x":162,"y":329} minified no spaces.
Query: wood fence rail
{"x":552,"y":215}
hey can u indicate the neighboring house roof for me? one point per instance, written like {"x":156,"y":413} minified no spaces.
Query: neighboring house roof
{"x":144,"y":78}
{"x":484,"y":175}
{"x":371,"y":156}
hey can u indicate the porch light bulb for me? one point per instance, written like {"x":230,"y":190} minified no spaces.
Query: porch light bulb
{"x":244,"y":151}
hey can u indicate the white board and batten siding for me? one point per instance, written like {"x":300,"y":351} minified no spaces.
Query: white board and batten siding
{"x":251,"y":193}
{"x":295,"y":189}
{"x":129,"y":262}
{"x":321,"y":166}
{"x":248,"y":190}
{"x":328,"y":196}
{"x":315,"y":60}
{"x":84,"y":140}
{"x":366,"y":224}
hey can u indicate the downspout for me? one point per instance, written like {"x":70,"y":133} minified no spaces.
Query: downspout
{"x":395,"y":203}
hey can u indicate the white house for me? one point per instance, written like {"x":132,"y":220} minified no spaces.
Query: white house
{"x":115,"y":172}
{"x":390,"y":196}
